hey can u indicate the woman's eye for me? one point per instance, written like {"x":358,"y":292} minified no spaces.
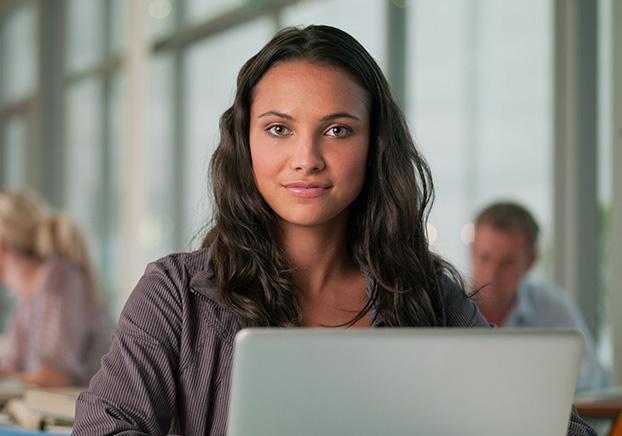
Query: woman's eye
{"x":278,"y":130}
{"x":339,"y":131}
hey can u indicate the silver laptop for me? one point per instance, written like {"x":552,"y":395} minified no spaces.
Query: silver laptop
{"x":467,"y":382}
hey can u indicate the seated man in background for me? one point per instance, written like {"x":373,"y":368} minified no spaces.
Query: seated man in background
{"x":503,"y":251}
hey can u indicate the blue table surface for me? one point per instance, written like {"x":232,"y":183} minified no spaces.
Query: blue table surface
{"x":5,"y":431}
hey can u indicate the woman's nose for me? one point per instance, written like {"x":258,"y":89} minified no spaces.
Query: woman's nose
{"x":307,"y":157}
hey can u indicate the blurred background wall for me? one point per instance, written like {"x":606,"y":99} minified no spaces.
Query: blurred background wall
{"x":110,"y":108}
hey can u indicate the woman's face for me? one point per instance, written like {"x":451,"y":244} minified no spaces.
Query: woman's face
{"x":309,"y":137}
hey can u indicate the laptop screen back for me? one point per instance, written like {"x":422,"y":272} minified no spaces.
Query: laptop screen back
{"x":467,"y":382}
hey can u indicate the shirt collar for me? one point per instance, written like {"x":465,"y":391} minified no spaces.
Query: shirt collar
{"x":523,"y":309}
{"x":203,"y":281}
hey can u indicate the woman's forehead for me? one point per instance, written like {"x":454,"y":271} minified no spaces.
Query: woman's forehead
{"x":308,"y":86}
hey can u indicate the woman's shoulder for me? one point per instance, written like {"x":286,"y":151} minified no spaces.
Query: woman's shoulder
{"x":187,"y":272}
{"x":457,"y":308}
{"x":177,"y":287}
{"x":191,"y":261}
{"x":171,"y":276}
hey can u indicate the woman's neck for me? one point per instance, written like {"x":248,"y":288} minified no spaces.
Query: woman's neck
{"x":318,"y":254}
{"x":333,"y":288}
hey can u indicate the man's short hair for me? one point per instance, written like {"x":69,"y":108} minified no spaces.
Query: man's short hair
{"x":510,"y":217}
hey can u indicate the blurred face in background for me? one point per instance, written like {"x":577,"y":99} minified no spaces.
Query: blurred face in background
{"x":9,"y":274}
{"x":2,"y":260}
{"x":500,"y":259}
{"x":19,"y":272}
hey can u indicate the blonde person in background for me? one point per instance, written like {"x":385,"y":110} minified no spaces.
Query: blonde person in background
{"x":58,"y":330}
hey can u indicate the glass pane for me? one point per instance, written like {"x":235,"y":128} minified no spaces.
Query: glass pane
{"x":15,"y":165}
{"x":158,"y":231}
{"x":116,"y":177}
{"x":482,"y":112}
{"x":211,"y":72}
{"x":18,"y":39}
{"x":605,"y":172}
{"x":364,"y":19}
{"x":200,"y":10}
{"x":84,"y":37}
{"x":84,"y":154}
{"x":160,"y":17}
{"x":119,"y":25}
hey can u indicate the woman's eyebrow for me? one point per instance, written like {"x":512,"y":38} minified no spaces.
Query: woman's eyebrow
{"x":326,"y":118}
{"x":340,"y":115}
{"x":277,"y":114}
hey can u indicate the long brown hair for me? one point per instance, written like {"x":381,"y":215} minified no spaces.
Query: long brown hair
{"x":387,"y":221}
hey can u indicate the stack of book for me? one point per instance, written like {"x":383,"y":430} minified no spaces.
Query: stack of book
{"x":51,"y":410}
{"x":11,"y":388}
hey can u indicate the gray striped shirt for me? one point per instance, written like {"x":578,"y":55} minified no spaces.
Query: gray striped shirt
{"x":169,"y":366}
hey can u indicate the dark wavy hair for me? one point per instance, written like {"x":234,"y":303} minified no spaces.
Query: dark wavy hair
{"x":387,"y":221}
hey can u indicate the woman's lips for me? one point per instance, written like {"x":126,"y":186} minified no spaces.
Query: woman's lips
{"x":307,"y":190}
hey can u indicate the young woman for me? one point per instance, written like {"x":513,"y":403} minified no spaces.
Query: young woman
{"x":58,"y":331}
{"x":321,"y":202}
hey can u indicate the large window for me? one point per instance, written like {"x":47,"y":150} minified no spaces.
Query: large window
{"x":143,"y":84}
{"x":605,"y":173}
{"x":200,"y":10}
{"x":364,"y":19}
{"x":18,"y":87}
{"x":212,"y":68}
{"x":18,"y":84}
{"x":85,"y":34}
{"x":83,"y":177}
{"x":16,"y":151}
{"x":480,"y":91}
{"x":158,"y":228}
{"x":92,"y":130}
{"x":18,"y":39}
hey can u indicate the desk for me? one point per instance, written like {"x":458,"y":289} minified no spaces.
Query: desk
{"x":603,"y":404}
{"x":5,"y":431}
